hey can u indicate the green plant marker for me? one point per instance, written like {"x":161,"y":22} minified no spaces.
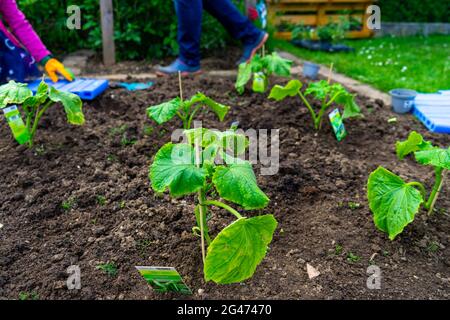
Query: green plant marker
{"x":338,"y":125}
{"x":18,"y":128}
{"x":164,"y":279}
{"x":260,"y":82}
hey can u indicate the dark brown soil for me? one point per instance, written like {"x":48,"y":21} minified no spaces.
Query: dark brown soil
{"x":309,"y":196}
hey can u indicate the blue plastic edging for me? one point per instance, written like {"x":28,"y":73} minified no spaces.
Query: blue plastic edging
{"x":86,"y":89}
{"x":433,"y":110}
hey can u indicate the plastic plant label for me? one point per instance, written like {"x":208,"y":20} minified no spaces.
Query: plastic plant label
{"x":259,"y":82}
{"x":18,"y":128}
{"x":338,"y":125}
{"x":164,"y":279}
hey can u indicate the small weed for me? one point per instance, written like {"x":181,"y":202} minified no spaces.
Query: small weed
{"x":125,"y":141}
{"x":122,"y":204}
{"x":28,"y":295}
{"x":142,"y":246}
{"x":433,"y":247}
{"x":101,"y":200}
{"x":148,"y":130}
{"x":68,"y":204}
{"x":40,"y":150}
{"x":112,"y":158}
{"x":118,"y":130}
{"x":338,"y":249}
{"x":109,"y":268}
{"x":354,"y":205}
{"x":352,"y":257}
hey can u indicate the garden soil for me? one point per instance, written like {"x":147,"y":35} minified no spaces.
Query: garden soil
{"x":111,"y":215}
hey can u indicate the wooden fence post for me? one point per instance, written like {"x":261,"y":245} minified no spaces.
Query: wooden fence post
{"x":109,"y":48}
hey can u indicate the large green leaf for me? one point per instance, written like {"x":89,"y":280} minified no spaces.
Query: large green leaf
{"x":14,"y":93}
{"x":291,"y":89}
{"x":351,"y":108}
{"x":163,"y":112}
{"x":72,"y":105}
{"x":415,"y":142}
{"x":277,"y":65}
{"x":243,"y":77}
{"x":237,"y":183}
{"x":393,"y":202}
{"x":436,"y":157}
{"x":219,"y":109}
{"x":238,"y":249}
{"x":174,"y":168}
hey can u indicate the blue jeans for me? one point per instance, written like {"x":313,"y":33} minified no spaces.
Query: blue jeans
{"x":189,"y":14}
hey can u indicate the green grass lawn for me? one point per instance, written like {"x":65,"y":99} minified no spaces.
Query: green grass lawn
{"x":419,"y":63}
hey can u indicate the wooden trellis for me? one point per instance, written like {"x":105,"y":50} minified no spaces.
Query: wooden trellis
{"x":318,"y":12}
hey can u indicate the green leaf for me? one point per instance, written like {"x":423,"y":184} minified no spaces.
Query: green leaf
{"x":237,"y":183}
{"x":228,"y":140}
{"x":38,"y":99}
{"x":243,"y":77}
{"x":393,"y":202}
{"x":72,"y":105}
{"x":163,"y":112}
{"x":319,"y":89}
{"x":174,"y":168}
{"x":436,"y":157}
{"x":351,"y":109}
{"x":219,"y":109}
{"x":415,"y":142}
{"x":238,"y":249}
{"x":277,"y":65}
{"x":291,"y":89}
{"x":14,"y":93}
{"x":258,"y":64}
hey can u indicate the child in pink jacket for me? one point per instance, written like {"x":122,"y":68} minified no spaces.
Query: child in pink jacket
{"x":21,"y":48}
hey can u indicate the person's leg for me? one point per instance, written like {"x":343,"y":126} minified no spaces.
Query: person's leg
{"x":238,"y":25}
{"x":189,"y":14}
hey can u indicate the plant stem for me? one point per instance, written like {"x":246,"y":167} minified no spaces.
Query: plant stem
{"x":436,"y":190}
{"x":38,"y":116}
{"x":421,"y":187}
{"x":191,"y":117}
{"x":223,"y":206}
{"x":311,"y":110}
{"x":201,"y":200}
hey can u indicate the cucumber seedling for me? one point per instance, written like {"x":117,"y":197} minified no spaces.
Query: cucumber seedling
{"x":191,"y":168}
{"x":328,"y":94}
{"x":34,"y":106}
{"x":185,"y":109}
{"x":262,"y":67}
{"x":394,"y":202}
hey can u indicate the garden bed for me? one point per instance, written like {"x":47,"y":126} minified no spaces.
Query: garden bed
{"x":100,"y":173}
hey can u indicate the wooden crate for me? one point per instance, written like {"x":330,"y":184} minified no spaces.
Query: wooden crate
{"x":317,"y":13}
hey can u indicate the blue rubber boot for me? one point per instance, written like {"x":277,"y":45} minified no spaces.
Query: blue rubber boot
{"x":250,"y":49}
{"x":177,"y":66}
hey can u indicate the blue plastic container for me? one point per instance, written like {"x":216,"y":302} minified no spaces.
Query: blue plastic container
{"x":310,"y":70}
{"x":86,"y":89}
{"x":433,"y":110}
{"x":402,"y":100}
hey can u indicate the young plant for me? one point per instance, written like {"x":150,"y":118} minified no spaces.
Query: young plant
{"x":185,"y":109}
{"x":323,"y":91}
{"x":394,"y":202}
{"x":34,"y":107}
{"x":192,"y":168}
{"x":261,"y":68}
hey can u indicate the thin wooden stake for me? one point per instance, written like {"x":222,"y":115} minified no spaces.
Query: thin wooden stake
{"x":180,"y":85}
{"x":107,"y":22}
{"x":331,"y":73}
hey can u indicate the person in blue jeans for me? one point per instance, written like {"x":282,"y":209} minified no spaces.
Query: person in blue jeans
{"x":189,"y":14}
